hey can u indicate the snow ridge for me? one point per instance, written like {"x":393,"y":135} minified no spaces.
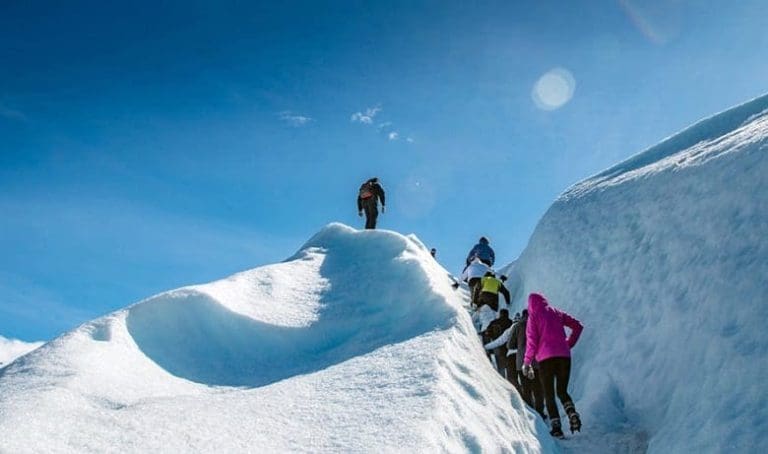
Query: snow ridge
{"x":10,"y":349}
{"x":663,"y":258}
{"x":726,"y":132}
{"x":356,"y":343}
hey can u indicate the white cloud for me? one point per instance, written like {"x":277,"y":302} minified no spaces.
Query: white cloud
{"x":409,"y":140}
{"x":367,"y":116}
{"x":385,"y":125}
{"x":11,"y":114}
{"x":393,"y":135}
{"x":295,"y":120}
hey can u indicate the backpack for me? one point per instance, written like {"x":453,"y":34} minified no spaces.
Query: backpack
{"x":366,"y":190}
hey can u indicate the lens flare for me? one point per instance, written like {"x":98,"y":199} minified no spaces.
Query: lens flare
{"x":554,"y":89}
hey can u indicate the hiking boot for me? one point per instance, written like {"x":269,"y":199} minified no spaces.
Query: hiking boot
{"x":575,"y":421}
{"x":557,"y":430}
{"x":573,"y":417}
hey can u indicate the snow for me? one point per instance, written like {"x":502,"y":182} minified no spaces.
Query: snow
{"x":359,"y":343}
{"x":356,"y":343}
{"x":10,"y":349}
{"x":664,"y":258}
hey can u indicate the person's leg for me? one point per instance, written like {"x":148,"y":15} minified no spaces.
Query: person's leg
{"x":546,"y":369}
{"x":473,"y":287}
{"x":501,"y":360}
{"x":484,"y":298}
{"x":538,"y":395}
{"x":371,"y":213}
{"x":563,"y":374}
{"x":562,"y":371}
{"x":525,"y":388}
{"x":493,"y":301}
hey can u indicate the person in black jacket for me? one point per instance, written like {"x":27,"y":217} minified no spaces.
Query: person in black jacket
{"x":531,"y":390}
{"x":495,"y":329}
{"x":371,"y":193}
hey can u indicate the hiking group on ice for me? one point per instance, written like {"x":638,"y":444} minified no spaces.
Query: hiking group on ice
{"x":531,"y":350}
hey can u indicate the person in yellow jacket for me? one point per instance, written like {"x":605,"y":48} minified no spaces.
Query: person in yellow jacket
{"x":490,"y":287}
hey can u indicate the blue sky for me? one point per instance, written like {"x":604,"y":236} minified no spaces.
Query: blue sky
{"x":148,"y":147}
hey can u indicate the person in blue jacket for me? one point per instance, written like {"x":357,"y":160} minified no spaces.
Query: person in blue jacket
{"x":482,"y":251}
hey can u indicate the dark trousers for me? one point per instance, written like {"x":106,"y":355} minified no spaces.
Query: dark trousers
{"x":474,"y":289}
{"x":491,"y":299}
{"x":554,"y":374}
{"x":531,"y":392}
{"x":371,"y":212}
{"x":512,"y":371}
{"x":500,"y":353}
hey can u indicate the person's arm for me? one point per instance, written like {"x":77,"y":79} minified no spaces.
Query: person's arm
{"x":512,"y":341}
{"x":359,"y":204}
{"x":576,"y":329}
{"x":493,"y":256}
{"x":501,"y":340}
{"x":381,"y":194}
{"x":505,"y":292}
{"x":471,"y":254}
{"x":531,"y":340}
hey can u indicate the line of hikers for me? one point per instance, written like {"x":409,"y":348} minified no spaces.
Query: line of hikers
{"x":530,"y":350}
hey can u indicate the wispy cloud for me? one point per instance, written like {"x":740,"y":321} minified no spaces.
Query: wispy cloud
{"x":367,"y":116}
{"x":294,"y":119}
{"x":385,"y":128}
{"x":11,"y":114}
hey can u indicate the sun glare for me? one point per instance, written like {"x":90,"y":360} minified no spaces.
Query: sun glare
{"x":553,"y":89}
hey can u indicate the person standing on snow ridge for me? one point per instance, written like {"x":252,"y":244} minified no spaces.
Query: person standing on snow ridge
{"x":490,"y":287}
{"x":368,"y":198}
{"x":482,"y":251}
{"x":547,"y":344}
{"x":472,"y":275}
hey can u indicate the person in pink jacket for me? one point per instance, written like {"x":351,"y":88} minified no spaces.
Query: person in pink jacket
{"x":546,"y":342}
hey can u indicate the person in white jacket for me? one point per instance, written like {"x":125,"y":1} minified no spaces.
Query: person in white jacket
{"x":472,"y":275}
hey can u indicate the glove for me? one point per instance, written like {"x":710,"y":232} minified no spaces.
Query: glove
{"x":383,"y":208}
{"x":528,"y":371}
{"x":360,"y":213}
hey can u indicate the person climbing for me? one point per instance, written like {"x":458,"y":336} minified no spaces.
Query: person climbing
{"x":494,"y":331}
{"x":368,"y":198}
{"x":433,"y":253}
{"x":482,"y":251}
{"x":546,"y":343}
{"x":472,"y":275}
{"x":530,"y":388}
{"x":490,"y":287}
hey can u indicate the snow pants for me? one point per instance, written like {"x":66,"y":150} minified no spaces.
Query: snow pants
{"x":371,"y":212}
{"x":554,"y":374}
{"x":531,"y":392}
{"x":474,"y":290}
{"x":491,"y":299}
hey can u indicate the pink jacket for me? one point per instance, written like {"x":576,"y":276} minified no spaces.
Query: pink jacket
{"x":545,"y":333}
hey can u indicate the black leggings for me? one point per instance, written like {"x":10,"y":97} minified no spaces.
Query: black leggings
{"x":555,"y":369}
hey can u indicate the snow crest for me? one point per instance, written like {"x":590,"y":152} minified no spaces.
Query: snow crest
{"x":357,"y":343}
{"x":664,"y":259}
{"x":10,"y":349}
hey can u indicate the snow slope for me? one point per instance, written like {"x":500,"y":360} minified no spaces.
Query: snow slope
{"x":664,"y":257}
{"x":11,"y":349}
{"x":357,"y":343}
